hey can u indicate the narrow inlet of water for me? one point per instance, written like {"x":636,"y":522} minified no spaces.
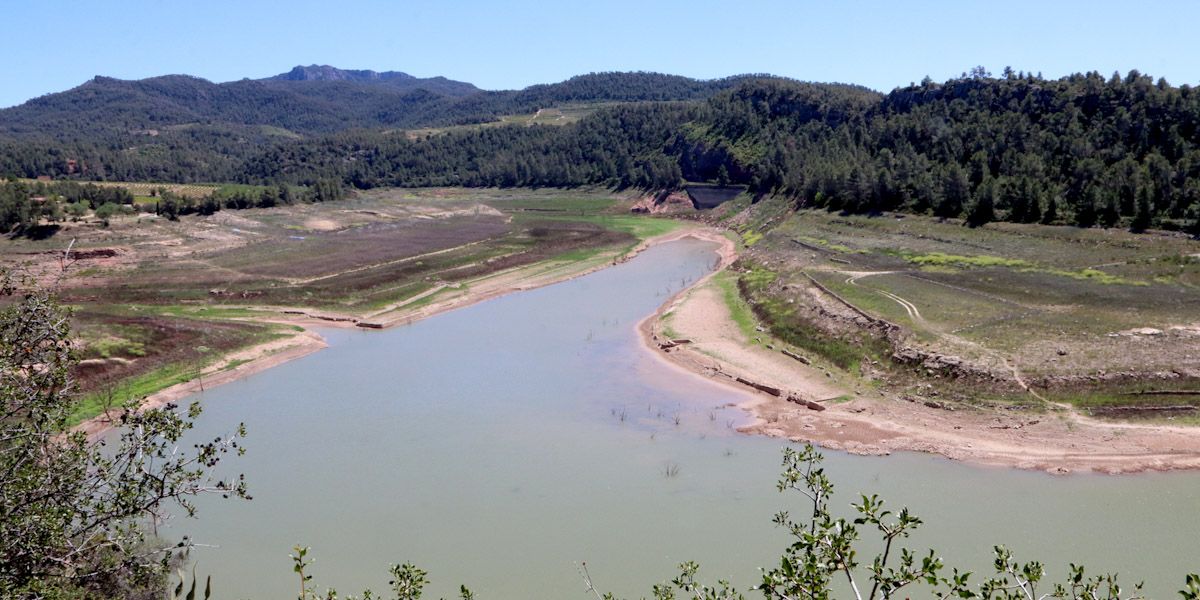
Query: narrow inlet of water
{"x":499,"y":445}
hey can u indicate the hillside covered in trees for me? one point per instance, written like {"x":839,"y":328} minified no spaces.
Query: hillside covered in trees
{"x":185,"y":129}
{"x":1086,"y":149}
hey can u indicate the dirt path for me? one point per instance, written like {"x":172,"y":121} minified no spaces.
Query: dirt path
{"x":1065,"y":411}
{"x":863,"y":421}
{"x":909,"y":308}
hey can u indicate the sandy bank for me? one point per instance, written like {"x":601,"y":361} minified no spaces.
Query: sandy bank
{"x":843,"y":414}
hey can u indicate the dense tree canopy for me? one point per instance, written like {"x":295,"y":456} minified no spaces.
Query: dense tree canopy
{"x":1084,"y":150}
{"x":185,"y":129}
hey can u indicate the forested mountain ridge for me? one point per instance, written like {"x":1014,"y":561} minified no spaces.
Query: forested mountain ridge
{"x":648,"y":145}
{"x":182,"y":128}
{"x":306,"y":100}
{"x":315,"y":100}
{"x":396,"y":78}
{"x":1084,"y":149}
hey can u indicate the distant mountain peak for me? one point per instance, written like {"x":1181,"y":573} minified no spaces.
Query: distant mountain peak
{"x":328,"y":73}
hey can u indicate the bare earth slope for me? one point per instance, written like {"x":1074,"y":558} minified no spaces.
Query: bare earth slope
{"x":868,"y":422}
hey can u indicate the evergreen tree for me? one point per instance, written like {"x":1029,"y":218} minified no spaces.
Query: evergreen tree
{"x":983,"y":211}
{"x":267,"y":198}
{"x":722,"y":176}
{"x":1018,"y":203}
{"x":956,"y":192}
{"x":284,"y":193}
{"x":1142,"y":218}
{"x":1085,"y":212}
{"x":1110,"y":216}
{"x":1050,"y":215}
{"x":1034,"y":213}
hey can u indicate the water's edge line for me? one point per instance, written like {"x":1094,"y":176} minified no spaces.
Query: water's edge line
{"x":272,"y":354}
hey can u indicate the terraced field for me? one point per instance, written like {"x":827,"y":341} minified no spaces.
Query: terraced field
{"x":1074,"y":313}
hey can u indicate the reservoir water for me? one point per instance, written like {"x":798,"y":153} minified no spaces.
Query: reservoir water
{"x":500,"y":444}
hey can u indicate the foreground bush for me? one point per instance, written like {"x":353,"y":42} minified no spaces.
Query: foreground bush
{"x":77,"y":516}
{"x":823,"y":561}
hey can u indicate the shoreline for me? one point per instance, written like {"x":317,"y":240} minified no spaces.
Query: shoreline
{"x":257,"y":358}
{"x":261,"y":357}
{"x":866,"y":422}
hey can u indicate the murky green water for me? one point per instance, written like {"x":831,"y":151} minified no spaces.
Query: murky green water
{"x":500,"y":444}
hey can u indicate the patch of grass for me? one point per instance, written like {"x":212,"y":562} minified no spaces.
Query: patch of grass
{"x":1071,"y":289}
{"x":194,"y":190}
{"x":202,"y":312}
{"x":864,"y":296}
{"x":227,"y":189}
{"x":139,"y":386}
{"x":107,"y":347}
{"x":758,"y":278}
{"x":1090,"y":275}
{"x":941,"y":259}
{"x":144,"y":384}
{"x":780,"y":317}
{"x":233,"y":364}
{"x":640,"y":227}
{"x":739,"y":311}
{"x":824,"y":243}
{"x":438,"y":295}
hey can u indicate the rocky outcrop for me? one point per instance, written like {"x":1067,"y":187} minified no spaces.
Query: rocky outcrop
{"x":809,"y":404}
{"x":945,"y":365}
{"x":664,"y":203}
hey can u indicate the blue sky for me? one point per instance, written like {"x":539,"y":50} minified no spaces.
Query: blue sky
{"x":51,"y":45}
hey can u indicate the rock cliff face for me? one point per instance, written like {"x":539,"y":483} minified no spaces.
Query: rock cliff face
{"x":328,"y":73}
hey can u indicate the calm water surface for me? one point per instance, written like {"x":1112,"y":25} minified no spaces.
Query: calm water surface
{"x":498,"y":445}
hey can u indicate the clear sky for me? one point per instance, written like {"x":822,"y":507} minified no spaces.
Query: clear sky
{"x":53,"y":45}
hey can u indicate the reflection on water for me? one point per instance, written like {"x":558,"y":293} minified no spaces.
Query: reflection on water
{"x":500,"y":444}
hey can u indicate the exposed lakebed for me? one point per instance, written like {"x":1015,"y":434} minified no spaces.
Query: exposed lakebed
{"x":500,"y":444}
